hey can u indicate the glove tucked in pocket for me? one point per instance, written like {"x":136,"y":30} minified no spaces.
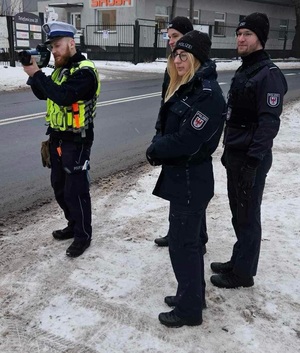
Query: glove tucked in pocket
{"x":247,"y":177}
{"x":45,"y":154}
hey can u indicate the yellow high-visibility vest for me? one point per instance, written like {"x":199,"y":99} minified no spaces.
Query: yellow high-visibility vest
{"x":76,"y":117}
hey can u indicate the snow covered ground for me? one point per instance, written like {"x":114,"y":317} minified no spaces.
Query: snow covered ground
{"x":108,"y":300}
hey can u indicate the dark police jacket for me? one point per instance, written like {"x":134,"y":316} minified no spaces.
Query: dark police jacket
{"x":191,"y":124}
{"x":255,"y":102}
{"x":164,"y":88}
{"x":82,"y":85}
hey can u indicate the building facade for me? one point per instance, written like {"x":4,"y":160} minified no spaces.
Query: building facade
{"x":109,"y":24}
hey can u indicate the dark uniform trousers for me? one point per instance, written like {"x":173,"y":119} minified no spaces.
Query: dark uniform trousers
{"x":71,"y":185}
{"x":246,"y":216}
{"x":186,"y":256}
{"x":202,"y":232}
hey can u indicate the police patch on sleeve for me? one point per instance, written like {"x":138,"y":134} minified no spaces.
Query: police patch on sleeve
{"x":273,"y":100}
{"x":199,"y":120}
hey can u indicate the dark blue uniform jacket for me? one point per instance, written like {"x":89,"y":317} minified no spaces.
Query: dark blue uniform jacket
{"x":191,"y":124}
{"x":255,"y":101}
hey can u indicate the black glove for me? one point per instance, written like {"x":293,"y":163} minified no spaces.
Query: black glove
{"x":45,"y":154}
{"x":152,"y":160}
{"x":247,"y":177}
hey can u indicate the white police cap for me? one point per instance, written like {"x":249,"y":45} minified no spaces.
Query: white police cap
{"x":58,"y":29}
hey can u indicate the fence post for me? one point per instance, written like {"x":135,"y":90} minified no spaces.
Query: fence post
{"x":82,"y":42}
{"x":10,"y":30}
{"x":284,"y":43}
{"x":136,"y":42}
{"x":42,"y":17}
{"x":155,"y":43}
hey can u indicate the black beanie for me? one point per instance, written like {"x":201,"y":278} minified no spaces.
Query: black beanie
{"x":197,"y":43}
{"x":181,"y":24}
{"x":257,"y":23}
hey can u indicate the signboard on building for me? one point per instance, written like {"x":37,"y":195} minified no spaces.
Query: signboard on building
{"x":28,"y":29}
{"x":111,"y":4}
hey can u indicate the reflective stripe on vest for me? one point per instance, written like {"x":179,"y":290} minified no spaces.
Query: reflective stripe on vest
{"x":76,"y":117}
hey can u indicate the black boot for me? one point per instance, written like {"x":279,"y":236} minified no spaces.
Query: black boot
{"x":171,"y":301}
{"x":170,"y":319}
{"x":221,"y":267}
{"x":63,"y":234}
{"x":231,"y":280}
{"x":164,"y":241}
{"x":77,"y":248}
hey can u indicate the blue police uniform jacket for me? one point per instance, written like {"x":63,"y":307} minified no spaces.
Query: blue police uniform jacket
{"x":191,"y":123}
{"x":255,"y":101}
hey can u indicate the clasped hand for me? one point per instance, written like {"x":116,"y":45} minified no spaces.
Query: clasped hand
{"x":152,"y":160}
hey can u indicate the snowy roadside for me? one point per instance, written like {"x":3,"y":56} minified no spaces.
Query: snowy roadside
{"x":13,"y":78}
{"x":108,"y":300}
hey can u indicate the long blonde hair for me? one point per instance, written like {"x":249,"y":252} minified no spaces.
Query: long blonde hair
{"x":175,"y":80}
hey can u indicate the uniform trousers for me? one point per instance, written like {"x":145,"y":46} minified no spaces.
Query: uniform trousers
{"x":203,"y":230}
{"x":70,"y":182}
{"x":186,"y":256}
{"x":245,"y":207}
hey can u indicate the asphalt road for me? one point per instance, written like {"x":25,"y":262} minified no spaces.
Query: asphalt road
{"x":126,"y":114}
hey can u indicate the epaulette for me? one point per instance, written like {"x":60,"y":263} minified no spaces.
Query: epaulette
{"x":206,"y":85}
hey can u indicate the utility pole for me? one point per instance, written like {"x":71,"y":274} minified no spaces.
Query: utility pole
{"x":192,"y":11}
{"x":173,"y":10}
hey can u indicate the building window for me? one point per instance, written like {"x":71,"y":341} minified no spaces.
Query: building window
{"x":219,"y":27}
{"x":283,"y":29}
{"x":106,"y":20}
{"x":161,"y":17}
{"x":76,"y":20}
{"x":196,"y":18}
{"x":162,"y":21}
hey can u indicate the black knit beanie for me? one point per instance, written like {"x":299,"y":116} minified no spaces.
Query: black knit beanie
{"x":257,"y":23}
{"x":181,"y":24}
{"x":197,"y":43}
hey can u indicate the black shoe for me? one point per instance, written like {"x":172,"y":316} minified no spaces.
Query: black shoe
{"x":170,"y":319}
{"x":164,"y":241}
{"x":231,"y":280}
{"x":171,"y":301}
{"x":63,"y":234}
{"x":221,"y":267}
{"x":77,"y":248}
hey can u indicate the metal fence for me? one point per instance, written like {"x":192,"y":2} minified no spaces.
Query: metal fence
{"x":145,"y":42}
{"x":4,"y":56}
{"x":123,"y":42}
{"x":142,"y":42}
{"x":109,"y":37}
{"x":279,"y":42}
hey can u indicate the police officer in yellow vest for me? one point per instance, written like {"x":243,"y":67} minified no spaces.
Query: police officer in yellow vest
{"x":71,"y":93}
